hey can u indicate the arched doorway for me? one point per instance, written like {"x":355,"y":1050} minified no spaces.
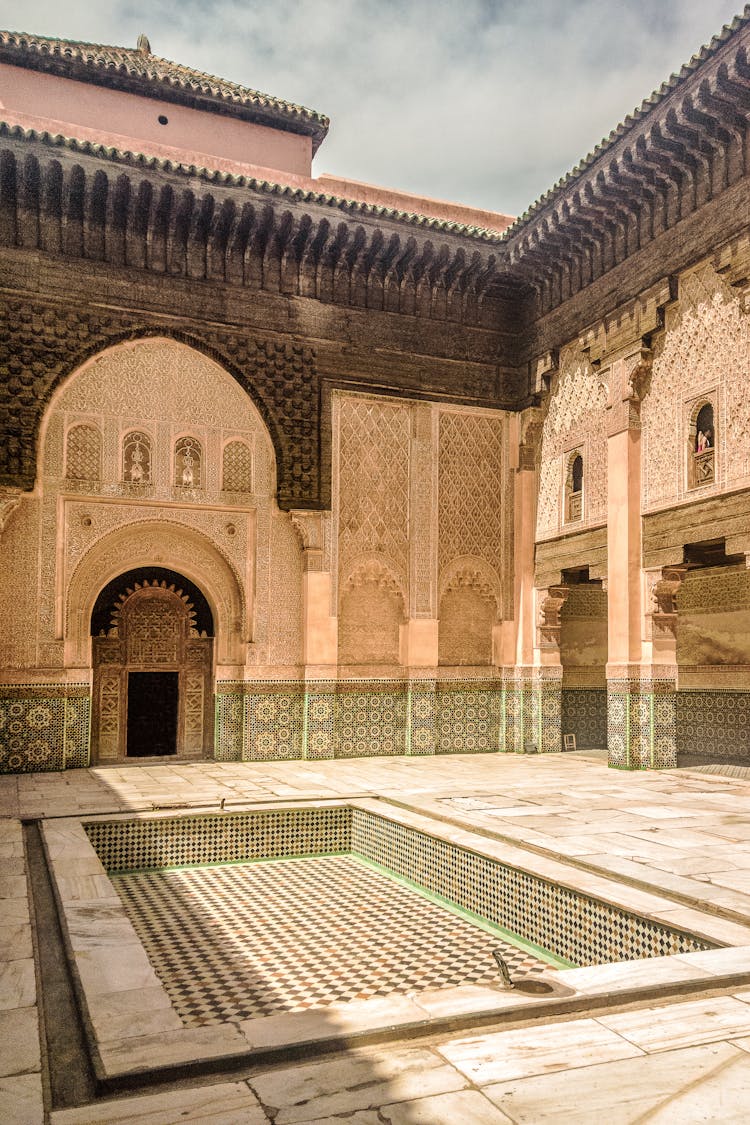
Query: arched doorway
{"x":152,"y":641}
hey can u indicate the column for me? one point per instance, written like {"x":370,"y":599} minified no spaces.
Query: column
{"x":641,"y":673}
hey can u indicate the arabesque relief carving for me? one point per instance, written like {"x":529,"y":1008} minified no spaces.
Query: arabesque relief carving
{"x":575,"y":418}
{"x":703,"y":352}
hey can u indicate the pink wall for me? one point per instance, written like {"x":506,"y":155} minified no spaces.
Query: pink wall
{"x":415,"y":204}
{"x":128,"y":121}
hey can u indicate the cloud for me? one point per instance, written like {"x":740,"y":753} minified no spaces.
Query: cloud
{"x":487,"y":102}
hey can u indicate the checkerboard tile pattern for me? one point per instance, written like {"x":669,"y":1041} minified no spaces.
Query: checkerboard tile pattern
{"x":571,"y":925}
{"x":580,"y":929}
{"x":247,"y":940}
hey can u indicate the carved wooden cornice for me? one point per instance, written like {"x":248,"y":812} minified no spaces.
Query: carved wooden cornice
{"x":683,"y":148}
{"x":82,"y":200}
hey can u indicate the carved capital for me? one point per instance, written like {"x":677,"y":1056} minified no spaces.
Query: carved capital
{"x":628,"y":383}
{"x":664,"y":587}
{"x":531,"y":436}
{"x":10,"y":498}
{"x":638,"y":368}
{"x":543,"y":370}
{"x":310,"y":527}
{"x":550,"y":602}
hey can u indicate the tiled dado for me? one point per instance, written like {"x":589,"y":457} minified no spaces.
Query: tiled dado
{"x":273,"y":720}
{"x":641,"y":723}
{"x":572,"y":925}
{"x":584,"y":714}
{"x":714,"y":722}
{"x":44,"y":727}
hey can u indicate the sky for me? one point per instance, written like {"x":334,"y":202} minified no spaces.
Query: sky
{"x":483,"y":102}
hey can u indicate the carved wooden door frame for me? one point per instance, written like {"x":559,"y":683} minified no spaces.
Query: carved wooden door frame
{"x":152,"y":630}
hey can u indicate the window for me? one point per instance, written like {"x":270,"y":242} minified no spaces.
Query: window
{"x":187,"y":463}
{"x":574,"y":488}
{"x":702,"y":446}
{"x":136,"y":458}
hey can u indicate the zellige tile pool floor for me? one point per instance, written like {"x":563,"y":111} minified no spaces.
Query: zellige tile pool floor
{"x":241,"y":940}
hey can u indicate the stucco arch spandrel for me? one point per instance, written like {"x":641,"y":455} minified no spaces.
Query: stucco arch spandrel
{"x":155,"y":378}
{"x":375,"y":568}
{"x":474,"y":573}
{"x":164,"y":544}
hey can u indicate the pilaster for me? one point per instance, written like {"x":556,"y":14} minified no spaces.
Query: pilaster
{"x":319,"y":627}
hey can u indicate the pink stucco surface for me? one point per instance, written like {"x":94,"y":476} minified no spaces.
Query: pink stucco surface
{"x":415,"y":204}
{"x":127,"y":121}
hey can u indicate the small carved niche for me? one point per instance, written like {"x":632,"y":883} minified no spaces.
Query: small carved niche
{"x":136,"y":458}
{"x":574,"y":487}
{"x":701,"y":445}
{"x":188,"y":463}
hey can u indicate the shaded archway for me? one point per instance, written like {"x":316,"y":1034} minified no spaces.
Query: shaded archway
{"x":583,"y":655}
{"x":152,"y":652}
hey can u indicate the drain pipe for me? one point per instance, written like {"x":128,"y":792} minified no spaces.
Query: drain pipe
{"x":503,"y":967}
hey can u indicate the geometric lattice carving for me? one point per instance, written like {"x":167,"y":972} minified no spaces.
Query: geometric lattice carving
{"x":374,"y":480}
{"x":109,"y":714}
{"x":576,"y":413}
{"x":153,"y":633}
{"x":136,"y":459}
{"x":237,"y":468}
{"x":187,"y":463}
{"x":194,"y":690}
{"x":83,"y":459}
{"x":470,"y":504}
{"x":702,"y":358}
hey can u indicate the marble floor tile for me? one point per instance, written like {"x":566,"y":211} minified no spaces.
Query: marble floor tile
{"x":631,"y":1092}
{"x":226,"y":1103}
{"x":524,"y":1051}
{"x":354,"y":1081}
{"x":682,"y":1023}
{"x":21,"y":1101}
{"x":466,"y":1107}
{"x":17,"y":984}
{"x":19,"y":1039}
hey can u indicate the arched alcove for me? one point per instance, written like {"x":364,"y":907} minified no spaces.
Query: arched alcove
{"x":161,"y":544}
{"x":152,"y":654}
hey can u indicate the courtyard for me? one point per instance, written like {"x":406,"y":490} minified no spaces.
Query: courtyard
{"x":661,"y":1039}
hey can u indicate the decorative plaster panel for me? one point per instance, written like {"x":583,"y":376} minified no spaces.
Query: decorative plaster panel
{"x":575,"y":419}
{"x":705,"y":350}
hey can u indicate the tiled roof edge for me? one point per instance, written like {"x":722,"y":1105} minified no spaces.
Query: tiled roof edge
{"x":94,"y":57}
{"x":302,"y":195}
{"x":647,"y":106}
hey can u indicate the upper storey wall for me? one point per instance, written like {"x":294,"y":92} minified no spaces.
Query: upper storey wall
{"x":129,"y":122}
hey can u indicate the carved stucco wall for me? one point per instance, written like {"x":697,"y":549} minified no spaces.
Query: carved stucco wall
{"x":705,"y":351}
{"x":575,"y":420}
{"x":371,"y":502}
{"x":19,"y":567}
{"x":166,"y":390}
{"x":423,"y":519}
{"x":474,"y":531}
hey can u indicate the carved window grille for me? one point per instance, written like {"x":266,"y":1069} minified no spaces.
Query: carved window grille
{"x":237,"y":468}
{"x":574,"y":488}
{"x":136,"y":458}
{"x":188,"y":463}
{"x":154,"y":631}
{"x":702,"y":447}
{"x":83,"y":454}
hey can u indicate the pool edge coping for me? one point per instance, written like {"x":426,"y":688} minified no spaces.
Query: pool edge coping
{"x":121,"y":1060}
